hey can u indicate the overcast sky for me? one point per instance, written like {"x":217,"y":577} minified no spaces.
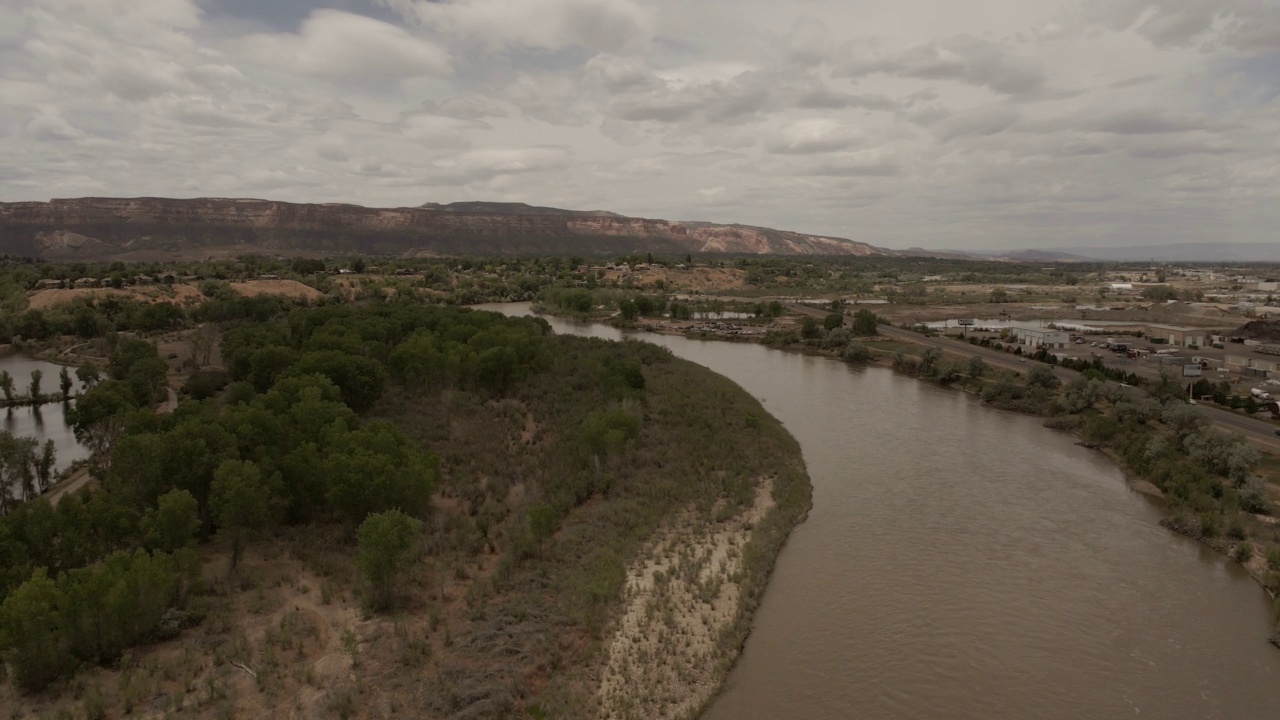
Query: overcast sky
{"x":932,"y":123}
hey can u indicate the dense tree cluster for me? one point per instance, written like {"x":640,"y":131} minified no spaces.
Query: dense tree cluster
{"x":283,"y":444}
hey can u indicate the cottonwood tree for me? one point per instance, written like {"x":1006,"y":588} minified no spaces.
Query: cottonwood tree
{"x":65,"y":384}
{"x":6,"y":384}
{"x":387,"y":543}
{"x":88,"y":376}
{"x":30,"y":633}
{"x":97,"y":421}
{"x":865,"y":323}
{"x":202,"y":342}
{"x":173,"y":522}
{"x":34,"y":388}
{"x":977,"y":367}
{"x":543,"y":521}
{"x":240,"y":503}
{"x":18,"y":469}
{"x":1042,"y":376}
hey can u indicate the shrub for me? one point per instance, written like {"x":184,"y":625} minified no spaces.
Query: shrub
{"x":1243,"y":552}
{"x":855,"y":351}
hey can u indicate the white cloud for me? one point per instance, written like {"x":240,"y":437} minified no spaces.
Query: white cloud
{"x":984,"y":120}
{"x":342,"y":47}
{"x":478,"y":165}
{"x":921,"y":122}
{"x":600,"y":25}
{"x":813,"y":135}
{"x":962,"y":58}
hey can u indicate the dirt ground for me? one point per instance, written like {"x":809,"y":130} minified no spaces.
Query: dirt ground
{"x":181,"y":294}
{"x":290,"y":288}
{"x":700,"y":279}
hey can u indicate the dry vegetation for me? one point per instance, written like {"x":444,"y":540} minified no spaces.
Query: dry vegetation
{"x":180,"y":294}
{"x":674,"y":641}
{"x":287,"y":288}
{"x":494,"y":620}
{"x":695,"y":279}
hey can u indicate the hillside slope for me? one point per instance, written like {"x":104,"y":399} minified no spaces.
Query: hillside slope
{"x":161,"y":228}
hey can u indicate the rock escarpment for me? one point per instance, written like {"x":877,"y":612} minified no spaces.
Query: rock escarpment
{"x":142,"y":228}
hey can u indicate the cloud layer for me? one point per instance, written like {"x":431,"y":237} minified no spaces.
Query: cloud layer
{"x":987,"y":124}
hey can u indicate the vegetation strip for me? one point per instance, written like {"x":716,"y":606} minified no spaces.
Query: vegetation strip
{"x":454,"y":497}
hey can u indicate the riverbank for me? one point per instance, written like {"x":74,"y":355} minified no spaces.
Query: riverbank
{"x":1248,"y":540}
{"x":683,"y":614}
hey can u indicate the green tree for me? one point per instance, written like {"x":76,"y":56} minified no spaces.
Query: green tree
{"x":543,"y":521}
{"x":31,"y":633}
{"x":929,"y":361}
{"x":34,"y":388}
{"x":1042,"y":376}
{"x":497,"y":368}
{"x":833,"y":321}
{"x":88,"y":376}
{"x":999,"y":295}
{"x":44,"y":466}
{"x":809,"y":327}
{"x":6,"y":384}
{"x":977,"y":367}
{"x":864,"y":323}
{"x":376,"y":468}
{"x":361,"y":379}
{"x":97,"y":420}
{"x":172,"y":523}
{"x":386,"y":544}
{"x":607,"y":432}
{"x":628,"y":309}
{"x":240,"y":502}
{"x":65,"y":383}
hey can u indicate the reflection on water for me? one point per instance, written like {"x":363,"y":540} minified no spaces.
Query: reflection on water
{"x":962,"y":562}
{"x":46,"y":422}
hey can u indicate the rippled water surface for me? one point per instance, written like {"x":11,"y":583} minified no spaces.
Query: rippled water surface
{"x":962,"y":562}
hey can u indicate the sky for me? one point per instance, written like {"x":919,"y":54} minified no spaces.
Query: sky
{"x":983,"y":124}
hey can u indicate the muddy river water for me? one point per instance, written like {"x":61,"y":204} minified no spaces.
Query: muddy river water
{"x":963,"y":562}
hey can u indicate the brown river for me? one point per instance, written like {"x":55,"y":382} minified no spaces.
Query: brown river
{"x":964,"y":562}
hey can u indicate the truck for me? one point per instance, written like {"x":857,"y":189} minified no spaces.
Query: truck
{"x":1260,"y":394}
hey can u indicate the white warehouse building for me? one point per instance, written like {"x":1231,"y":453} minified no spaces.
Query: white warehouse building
{"x":1047,"y":338}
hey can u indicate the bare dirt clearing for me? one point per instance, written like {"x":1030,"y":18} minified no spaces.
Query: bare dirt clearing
{"x":181,"y":294}
{"x":699,"y":279}
{"x":289,"y":288}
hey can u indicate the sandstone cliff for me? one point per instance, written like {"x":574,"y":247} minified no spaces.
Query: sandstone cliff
{"x":144,"y":228}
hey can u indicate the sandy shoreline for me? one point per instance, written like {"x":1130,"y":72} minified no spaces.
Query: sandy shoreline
{"x":673,"y":648}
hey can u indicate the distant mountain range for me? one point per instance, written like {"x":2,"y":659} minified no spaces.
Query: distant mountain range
{"x":159,"y":229}
{"x":1190,"y":252}
{"x":154,"y":229}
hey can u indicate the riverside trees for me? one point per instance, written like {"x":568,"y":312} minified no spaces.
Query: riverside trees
{"x":291,"y":450}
